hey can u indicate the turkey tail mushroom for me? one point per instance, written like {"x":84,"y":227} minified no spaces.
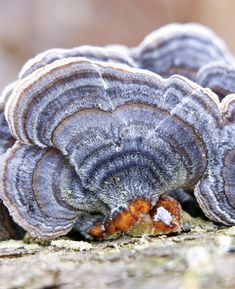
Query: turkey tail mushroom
{"x":8,"y":229}
{"x":110,"y":53}
{"x":219,"y":77}
{"x":102,"y":144}
{"x":6,"y":139}
{"x":180,"y":49}
{"x":216,"y":190}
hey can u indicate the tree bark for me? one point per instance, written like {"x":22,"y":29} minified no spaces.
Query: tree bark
{"x":202,"y":258}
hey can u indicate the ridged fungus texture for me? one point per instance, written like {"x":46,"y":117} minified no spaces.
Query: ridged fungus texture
{"x":94,"y":138}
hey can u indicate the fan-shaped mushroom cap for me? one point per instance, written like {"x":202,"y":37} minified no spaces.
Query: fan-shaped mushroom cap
{"x":8,"y":229}
{"x":110,"y":53}
{"x":228,"y":107}
{"x":219,"y":77}
{"x":180,"y":49}
{"x":216,"y":191}
{"x":102,"y":143}
{"x":6,"y":139}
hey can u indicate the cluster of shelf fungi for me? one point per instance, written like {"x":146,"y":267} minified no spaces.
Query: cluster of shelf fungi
{"x":115,"y":140}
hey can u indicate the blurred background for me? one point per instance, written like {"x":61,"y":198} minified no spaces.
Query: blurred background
{"x":31,"y":26}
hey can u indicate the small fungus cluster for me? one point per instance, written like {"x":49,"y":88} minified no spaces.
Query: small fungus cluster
{"x":105,"y":140}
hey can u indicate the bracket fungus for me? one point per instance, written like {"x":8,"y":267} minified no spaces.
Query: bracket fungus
{"x":6,"y":139}
{"x":219,"y":77}
{"x":180,"y":49}
{"x":103,"y":146}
